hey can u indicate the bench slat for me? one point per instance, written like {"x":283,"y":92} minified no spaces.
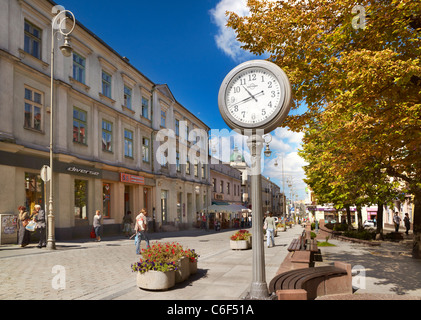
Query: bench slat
{"x":295,"y":279}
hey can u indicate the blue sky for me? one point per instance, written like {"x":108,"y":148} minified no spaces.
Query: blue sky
{"x":185,"y":45}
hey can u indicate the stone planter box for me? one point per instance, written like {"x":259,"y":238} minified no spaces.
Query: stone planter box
{"x":193,"y":267}
{"x":240,"y":244}
{"x":183,"y":270}
{"x":156,"y":280}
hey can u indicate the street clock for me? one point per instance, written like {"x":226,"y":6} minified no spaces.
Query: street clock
{"x":255,"y":95}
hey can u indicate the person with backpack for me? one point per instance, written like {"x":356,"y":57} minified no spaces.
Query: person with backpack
{"x":141,"y":227}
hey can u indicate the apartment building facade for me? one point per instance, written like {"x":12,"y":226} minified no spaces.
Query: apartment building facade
{"x":111,"y":127}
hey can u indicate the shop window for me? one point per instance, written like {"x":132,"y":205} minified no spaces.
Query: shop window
{"x":81,"y":198}
{"x":106,"y":200}
{"x":34,"y":191}
{"x":164,"y":206}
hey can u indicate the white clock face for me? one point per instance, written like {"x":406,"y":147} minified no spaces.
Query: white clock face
{"x":252,"y":96}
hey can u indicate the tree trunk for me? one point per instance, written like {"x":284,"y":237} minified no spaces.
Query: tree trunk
{"x":348,"y":216}
{"x":379,"y":219}
{"x":360,"y":218}
{"x":416,"y":251}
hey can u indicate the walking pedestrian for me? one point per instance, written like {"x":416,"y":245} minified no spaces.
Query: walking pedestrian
{"x":270,"y":225}
{"x":396,"y":221}
{"x":39,"y":218}
{"x":24,"y":235}
{"x":127,"y":223}
{"x":204,"y":222}
{"x":141,"y":227}
{"x":97,"y":224}
{"x":407,"y":223}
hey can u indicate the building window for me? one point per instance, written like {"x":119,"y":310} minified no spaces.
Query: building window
{"x":196,"y":169}
{"x":106,"y":84}
{"x":127,"y":97}
{"x":32,"y":41}
{"x":163,"y":118}
{"x":33,"y":109}
{"x":81,"y":197}
{"x":177,"y":161}
{"x":79,"y":68}
{"x":177,"y":127}
{"x":203,"y":171}
{"x":214,"y":185}
{"x":145,"y":149}
{"x":79,"y":125}
{"x":107,"y":136}
{"x":164,"y":159}
{"x":221,"y":186}
{"x":145,"y":108}
{"x":187,"y":165}
{"x":228,"y":187}
{"x":128,"y":143}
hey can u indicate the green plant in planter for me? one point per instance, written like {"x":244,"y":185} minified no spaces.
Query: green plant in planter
{"x":148,"y":265}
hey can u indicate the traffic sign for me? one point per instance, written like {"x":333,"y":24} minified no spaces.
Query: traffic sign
{"x":46,"y":173}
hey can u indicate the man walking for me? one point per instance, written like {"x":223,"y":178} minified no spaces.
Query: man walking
{"x":39,"y":219}
{"x":407,"y":223}
{"x":141,"y":226}
{"x":396,"y":221}
{"x":270,"y":230}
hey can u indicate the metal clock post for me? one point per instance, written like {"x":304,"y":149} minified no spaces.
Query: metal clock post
{"x":255,"y":98}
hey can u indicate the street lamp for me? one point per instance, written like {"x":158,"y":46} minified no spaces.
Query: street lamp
{"x":267,"y":151}
{"x":57,"y":26}
{"x":283,"y":187}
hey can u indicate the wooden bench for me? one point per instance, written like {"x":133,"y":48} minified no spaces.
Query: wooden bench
{"x":303,"y":242}
{"x":309,"y":283}
{"x":303,"y":251}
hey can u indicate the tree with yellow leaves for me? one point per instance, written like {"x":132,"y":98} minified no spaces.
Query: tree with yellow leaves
{"x":357,"y":68}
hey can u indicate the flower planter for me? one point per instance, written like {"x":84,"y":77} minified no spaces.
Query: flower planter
{"x":156,"y":280}
{"x":240,"y":244}
{"x":193,"y":266}
{"x":183,"y":270}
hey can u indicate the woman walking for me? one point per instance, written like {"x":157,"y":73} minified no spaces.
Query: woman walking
{"x":24,"y":235}
{"x":97,"y":224}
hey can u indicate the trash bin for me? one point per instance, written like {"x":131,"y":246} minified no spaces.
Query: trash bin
{"x":8,"y":229}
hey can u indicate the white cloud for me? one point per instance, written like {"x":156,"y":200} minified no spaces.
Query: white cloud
{"x":226,"y":38}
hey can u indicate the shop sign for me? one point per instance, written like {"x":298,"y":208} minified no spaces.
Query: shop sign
{"x":89,"y":172}
{"x":129,"y":178}
{"x":219,"y":196}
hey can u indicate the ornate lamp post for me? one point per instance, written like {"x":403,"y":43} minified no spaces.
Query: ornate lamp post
{"x":57,"y":27}
{"x":283,"y":188}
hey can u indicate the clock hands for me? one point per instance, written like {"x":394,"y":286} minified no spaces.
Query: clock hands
{"x":250,"y":94}
{"x":249,"y":98}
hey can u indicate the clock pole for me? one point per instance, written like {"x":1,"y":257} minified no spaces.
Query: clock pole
{"x":258,"y":289}
{"x":255,"y":98}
